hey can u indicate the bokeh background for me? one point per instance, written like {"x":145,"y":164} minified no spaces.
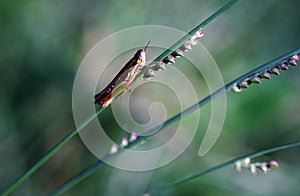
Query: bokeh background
{"x":43,"y":43}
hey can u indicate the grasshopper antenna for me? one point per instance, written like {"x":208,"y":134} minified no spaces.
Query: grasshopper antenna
{"x":147,"y":45}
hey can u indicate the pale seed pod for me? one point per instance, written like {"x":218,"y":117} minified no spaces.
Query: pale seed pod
{"x":283,"y":66}
{"x":193,"y":40}
{"x":236,"y":89}
{"x":186,"y":46}
{"x":243,"y":84}
{"x":246,"y":161}
{"x":255,"y":79}
{"x":296,"y":57}
{"x":159,"y":66}
{"x":133,"y":137}
{"x":252,"y":168}
{"x":238,"y":166}
{"x":199,"y":34}
{"x":274,"y":70}
{"x":272,"y":164}
{"x":292,"y":62}
{"x":265,"y":75}
{"x":169,"y":60}
{"x":114,"y":149}
{"x":124,"y":142}
{"x":177,"y":53}
{"x":263,"y":167}
{"x":149,"y":74}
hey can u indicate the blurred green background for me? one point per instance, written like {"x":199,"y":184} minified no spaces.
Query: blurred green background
{"x":43,"y":43}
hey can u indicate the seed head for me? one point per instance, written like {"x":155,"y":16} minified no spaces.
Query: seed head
{"x":169,"y":60}
{"x":114,"y":149}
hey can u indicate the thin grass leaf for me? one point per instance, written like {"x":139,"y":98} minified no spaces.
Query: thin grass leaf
{"x":177,"y":45}
{"x":74,"y":132}
{"x":224,"y":164}
{"x":88,"y":171}
{"x":49,"y":154}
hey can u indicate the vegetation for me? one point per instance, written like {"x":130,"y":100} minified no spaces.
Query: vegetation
{"x":44,"y":42}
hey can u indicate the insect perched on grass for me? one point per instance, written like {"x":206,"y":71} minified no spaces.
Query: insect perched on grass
{"x":123,"y":79}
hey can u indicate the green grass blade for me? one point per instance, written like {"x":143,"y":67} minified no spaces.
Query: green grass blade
{"x":48,"y":155}
{"x":190,"y":34}
{"x":224,"y":164}
{"x":74,"y":132}
{"x":88,"y":171}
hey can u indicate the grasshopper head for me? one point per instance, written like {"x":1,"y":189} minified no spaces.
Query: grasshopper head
{"x":141,"y":55}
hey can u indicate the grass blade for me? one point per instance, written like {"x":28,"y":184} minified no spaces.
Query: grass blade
{"x":88,"y":171}
{"x":48,"y":155}
{"x":224,"y":164}
{"x":75,"y":131}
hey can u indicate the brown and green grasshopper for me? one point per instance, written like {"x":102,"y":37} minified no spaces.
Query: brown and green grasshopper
{"x":123,"y":79}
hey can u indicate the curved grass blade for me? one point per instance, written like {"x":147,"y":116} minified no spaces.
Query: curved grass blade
{"x":72,"y":133}
{"x":48,"y":154}
{"x":224,"y":164}
{"x":88,"y":171}
{"x":185,"y":38}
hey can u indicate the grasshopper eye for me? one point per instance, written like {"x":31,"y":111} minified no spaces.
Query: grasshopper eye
{"x":139,"y":61}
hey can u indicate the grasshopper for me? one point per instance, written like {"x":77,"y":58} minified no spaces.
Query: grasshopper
{"x":123,"y":79}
